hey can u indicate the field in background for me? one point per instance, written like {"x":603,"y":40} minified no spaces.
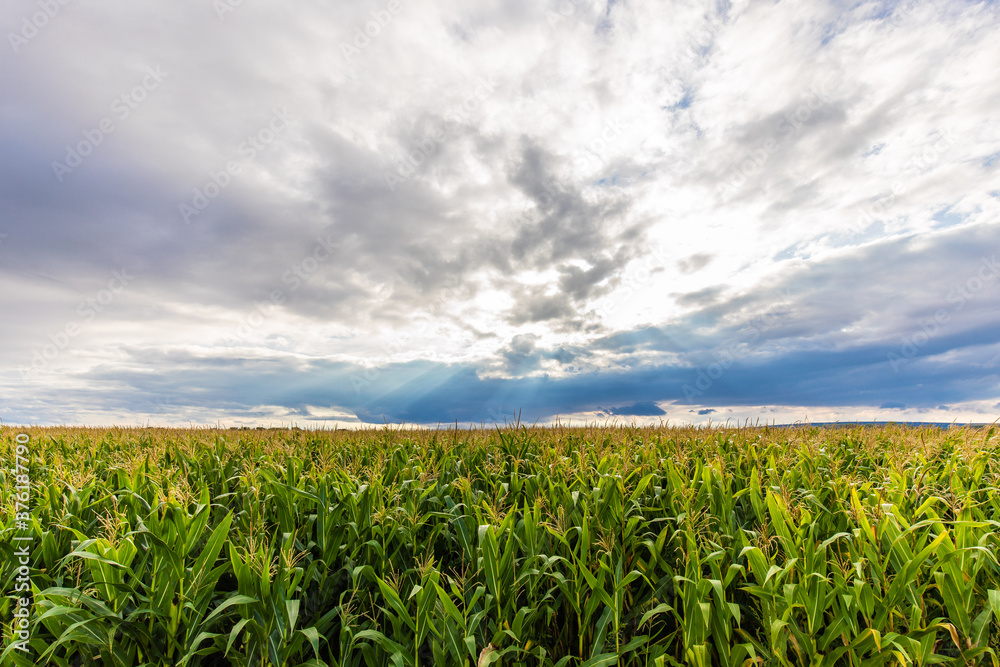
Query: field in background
{"x":803,"y":546}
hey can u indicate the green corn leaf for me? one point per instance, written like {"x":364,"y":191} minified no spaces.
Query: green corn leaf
{"x":206,"y":560}
{"x":313,"y":636}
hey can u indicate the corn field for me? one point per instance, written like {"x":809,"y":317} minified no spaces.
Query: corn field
{"x":519,"y":546}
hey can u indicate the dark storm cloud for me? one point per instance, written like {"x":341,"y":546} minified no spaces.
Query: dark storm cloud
{"x":523,"y":356}
{"x":121,"y":205}
{"x":534,"y":305}
{"x":808,"y":307}
{"x":797,"y":359}
{"x":565,"y":225}
{"x":641,"y":409}
{"x":425,"y":392}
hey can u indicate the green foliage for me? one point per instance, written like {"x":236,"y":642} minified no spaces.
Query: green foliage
{"x":549,"y":547}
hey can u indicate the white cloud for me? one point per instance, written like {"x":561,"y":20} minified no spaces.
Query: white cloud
{"x":564,"y":169}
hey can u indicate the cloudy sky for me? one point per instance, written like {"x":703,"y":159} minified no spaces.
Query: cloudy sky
{"x":329,"y":213}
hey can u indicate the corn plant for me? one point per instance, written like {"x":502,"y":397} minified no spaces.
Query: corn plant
{"x":554,"y":547}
